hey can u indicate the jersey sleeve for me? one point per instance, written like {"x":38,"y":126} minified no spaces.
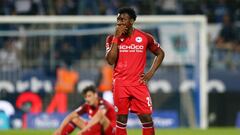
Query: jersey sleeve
{"x":108,"y":43}
{"x":81,"y":109}
{"x":153,"y":45}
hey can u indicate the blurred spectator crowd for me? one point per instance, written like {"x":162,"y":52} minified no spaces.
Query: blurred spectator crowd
{"x":214,"y":9}
{"x":224,"y":49}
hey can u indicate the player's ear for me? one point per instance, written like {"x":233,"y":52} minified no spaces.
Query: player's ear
{"x":132,"y":21}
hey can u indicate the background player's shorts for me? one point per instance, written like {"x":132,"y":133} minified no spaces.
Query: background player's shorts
{"x":135,"y":98}
{"x":110,"y":130}
{"x":94,"y":130}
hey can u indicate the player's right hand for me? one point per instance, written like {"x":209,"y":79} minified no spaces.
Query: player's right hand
{"x":120,"y":30}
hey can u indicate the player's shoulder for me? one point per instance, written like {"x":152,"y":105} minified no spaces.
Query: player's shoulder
{"x":102,"y":101}
{"x":109,"y":37}
{"x":82,"y":107}
{"x":105,"y":103}
{"x":102,"y":104}
{"x":85,"y":105}
{"x":147,"y":35}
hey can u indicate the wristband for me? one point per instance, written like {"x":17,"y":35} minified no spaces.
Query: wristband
{"x":115,"y":40}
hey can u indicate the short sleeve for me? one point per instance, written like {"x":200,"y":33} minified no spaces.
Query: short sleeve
{"x":153,"y":45}
{"x":108,"y":42}
{"x":81,"y":109}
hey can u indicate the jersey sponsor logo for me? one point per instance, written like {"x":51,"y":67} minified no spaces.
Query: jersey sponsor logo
{"x":131,"y":48}
{"x":138,"y":39}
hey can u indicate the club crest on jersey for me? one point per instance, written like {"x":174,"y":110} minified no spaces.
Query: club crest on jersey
{"x":138,"y":39}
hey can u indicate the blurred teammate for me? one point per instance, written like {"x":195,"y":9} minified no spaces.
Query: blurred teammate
{"x":105,"y":81}
{"x":100,"y":112}
{"x":127,"y":49}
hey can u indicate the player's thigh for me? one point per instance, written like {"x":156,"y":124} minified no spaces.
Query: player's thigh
{"x":121,"y":99}
{"x":110,"y":130}
{"x":141,"y":102}
{"x":94,"y":130}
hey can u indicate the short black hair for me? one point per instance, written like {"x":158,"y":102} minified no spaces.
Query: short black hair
{"x":130,"y":11}
{"x":91,"y":88}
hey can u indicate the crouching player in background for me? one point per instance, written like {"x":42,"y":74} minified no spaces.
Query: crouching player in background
{"x":101,"y":113}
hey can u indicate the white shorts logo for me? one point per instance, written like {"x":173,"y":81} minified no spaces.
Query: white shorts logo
{"x":149,"y":101}
{"x":115,"y":108}
{"x":138,"y":39}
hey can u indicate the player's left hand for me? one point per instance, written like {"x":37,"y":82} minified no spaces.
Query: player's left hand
{"x":144,"y":78}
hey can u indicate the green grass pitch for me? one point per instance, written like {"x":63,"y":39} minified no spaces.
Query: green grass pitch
{"x":212,"y":131}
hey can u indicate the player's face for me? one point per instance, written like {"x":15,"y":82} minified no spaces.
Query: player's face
{"x":90,"y":98}
{"x":125,"y":19}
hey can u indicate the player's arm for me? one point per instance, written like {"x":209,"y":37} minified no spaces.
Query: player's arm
{"x":66,"y":120}
{"x":95,"y":119}
{"x":112,"y":44}
{"x":155,"y":48}
{"x":111,"y":50}
{"x":157,"y":60}
{"x":75,"y":114}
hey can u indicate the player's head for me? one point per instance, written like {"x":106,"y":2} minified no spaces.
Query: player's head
{"x":90,"y":94}
{"x":126,"y":16}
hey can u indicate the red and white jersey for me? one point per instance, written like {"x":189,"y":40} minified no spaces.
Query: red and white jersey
{"x":131,"y":57}
{"x":92,"y":110}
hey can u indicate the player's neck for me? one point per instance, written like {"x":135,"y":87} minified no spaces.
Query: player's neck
{"x":130,"y":31}
{"x":96,"y":103}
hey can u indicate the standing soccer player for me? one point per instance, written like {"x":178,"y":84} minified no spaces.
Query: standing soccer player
{"x":100,"y":112}
{"x":126,"y":50}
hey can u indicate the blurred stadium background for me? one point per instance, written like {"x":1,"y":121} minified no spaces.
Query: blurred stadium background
{"x":35,"y":56}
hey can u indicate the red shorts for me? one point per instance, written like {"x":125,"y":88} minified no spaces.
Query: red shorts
{"x":134,"y":98}
{"x":98,"y":129}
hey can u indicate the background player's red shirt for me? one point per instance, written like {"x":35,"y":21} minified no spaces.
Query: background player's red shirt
{"x":132,"y":57}
{"x":91,"y":110}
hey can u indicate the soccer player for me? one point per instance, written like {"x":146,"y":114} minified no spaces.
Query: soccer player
{"x":126,"y":50}
{"x":101,"y":113}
